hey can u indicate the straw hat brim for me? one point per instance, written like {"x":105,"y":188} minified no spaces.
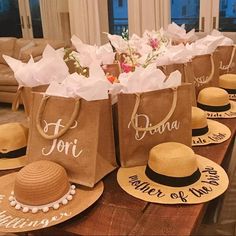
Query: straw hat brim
{"x":13,"y":163}
{"x":17,"y":221}
{"x":231,"y":113}
{"x":205,"y":189}
{"x":218,"y":133}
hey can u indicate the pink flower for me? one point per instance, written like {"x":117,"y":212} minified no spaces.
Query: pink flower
{"x":154,"y":43}
{"x":126,"y":68}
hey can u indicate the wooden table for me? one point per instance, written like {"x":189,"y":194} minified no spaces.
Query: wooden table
{"x":118,"y":213}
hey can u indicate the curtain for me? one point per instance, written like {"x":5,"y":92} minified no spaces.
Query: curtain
{"x":89,"y":20}
{"x":147,"y":15}
{"x":50,"y":19}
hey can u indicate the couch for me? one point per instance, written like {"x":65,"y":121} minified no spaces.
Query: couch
{"x":20,"y":49}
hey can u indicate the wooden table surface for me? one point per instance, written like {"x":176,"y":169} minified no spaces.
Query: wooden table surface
{"x":118,"y":213}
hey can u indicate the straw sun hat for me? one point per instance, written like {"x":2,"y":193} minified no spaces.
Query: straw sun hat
{"x":206,"y":131}
{"x":13,"y":141}
{"x":39,"y":196}
{"x":174,"y":175}
{"x":215,"y":101}
{"x":228,"y":82}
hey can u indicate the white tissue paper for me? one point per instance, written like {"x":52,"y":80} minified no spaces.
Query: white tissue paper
{"x":225,"y":40}
{"x":23,"y":72}
{"x":178,"y":33}
{"x":175,"y":55}
{"x":49,"y":68}
{"x":95,"y":87}
{"x":139,"y":44}
{"x":206,"y":45}
{"x":144,"y":80}
{"x":88,"y":54}
{"x":118,"y":42}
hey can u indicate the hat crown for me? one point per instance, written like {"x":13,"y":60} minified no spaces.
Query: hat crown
{"x":213,"y":96}
{"x":40,"y":183}
{"x":199,"y":118}
{"x":227,"y":81}
{"x":172,"y":159}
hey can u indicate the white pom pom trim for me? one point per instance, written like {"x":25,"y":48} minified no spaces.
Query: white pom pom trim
{"x":44,"y":208}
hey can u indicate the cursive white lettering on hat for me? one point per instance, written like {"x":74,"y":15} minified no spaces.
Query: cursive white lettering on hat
{"x":9,"y":221}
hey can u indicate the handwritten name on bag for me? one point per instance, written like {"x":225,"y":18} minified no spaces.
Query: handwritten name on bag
{"x":139,"y":135}
{"x":199,"y":81}
{"x":59,"y":145}
{"x":209,"y":179}
{"x":226,"y":67}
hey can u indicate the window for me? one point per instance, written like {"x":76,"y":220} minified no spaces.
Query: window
{"x":184,"y":11}
{"x":227,"y":18}
{"x":188,"y":14}
{"x":118,"y":16}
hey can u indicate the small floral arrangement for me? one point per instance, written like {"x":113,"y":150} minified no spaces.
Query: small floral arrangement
{"x":138,"y":51}
{"x":158,"y":43}
{"x":72,"y":60}
{"x":128,"y":59}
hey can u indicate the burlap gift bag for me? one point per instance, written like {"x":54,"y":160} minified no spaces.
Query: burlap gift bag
{"x":150,"y":118}
{"x":186,"y":71}
{"x":75,"y":133}
{"x":206,"y":71}
{"x":227,"y":59}
{"x":24,"y":94}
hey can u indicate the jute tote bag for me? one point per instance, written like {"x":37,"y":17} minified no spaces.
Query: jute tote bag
{"x":206,"y":71}
{"x":227,"y":57}
{"x":186,"y":71}
{"x":75,"y":133}
{"x":25,"y":95}
{"x":150,"y":118}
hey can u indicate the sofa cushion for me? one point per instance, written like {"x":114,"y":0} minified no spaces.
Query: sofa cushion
{"x":34,"y":51}
{"x":20,"y":43}
{"x":7,"y":48}
{"x":36,"y":47}
{"x":8,"y":88}
{"x":7,"y":76}
{"x":7,"y":97}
